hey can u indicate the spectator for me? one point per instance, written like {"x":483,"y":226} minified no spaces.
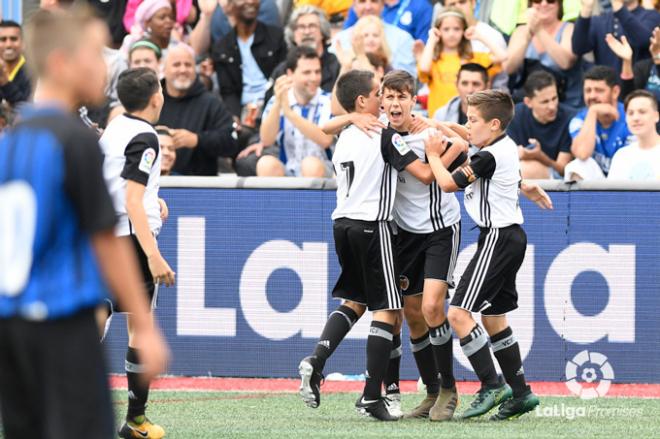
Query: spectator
{"x":113,"y":14}
{"x":201,"y":126}
{"x":167,"y":150}
{"x":334,"y":9}
{"x":154,"y":20}
{"x":641,"y":159}
{"x":490,"y":33}
{"x":412,"y":16}
{"x":368,"y":37}
{"x":246,"y":57}
{"x":544,"y":43}
{"x":447,"y":48}
{"x":598,"y":130}
{"x":145,"y":53}
{"x":292,"y":119}
{"x":627,"y":18}
{"x":308,"y":26}
{"x":184,"y":10}
{"x":15,"y":83}
{"x":399,"y":41}
{"x":471,"y":78}
{"x":540,"y":128}
{"x":216,"y":20}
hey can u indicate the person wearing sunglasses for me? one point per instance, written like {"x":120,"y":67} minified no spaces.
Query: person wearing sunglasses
{"x":628,"y":18}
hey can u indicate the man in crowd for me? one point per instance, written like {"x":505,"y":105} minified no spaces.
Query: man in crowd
{"x":201,"y":126}
{"x":292,"y":120}
{"x":598,"y":130}
{"x":472,"y":77}
{"x":246,"y":57}
{"x":15,"y":84}
{"x":399,"y":41}
{"x":540,"y":129}
{"x":413,"y":16}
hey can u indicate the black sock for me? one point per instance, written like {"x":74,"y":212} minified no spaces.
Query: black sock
{"x":379,"y":348}
{"x":391,"y":381}
{"x":475,"y":347}
{"x":423,"y":353}
{"x":442,"y":341}
{"x":507,"y":352}
{"x":138,"y":393}
{"x":336,"y":327}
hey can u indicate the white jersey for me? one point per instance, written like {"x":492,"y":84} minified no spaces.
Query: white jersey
{"x":421,"y":208}
{"x":492,"y":193}
{"x":132,"y":152}
{"x":367,"y":170}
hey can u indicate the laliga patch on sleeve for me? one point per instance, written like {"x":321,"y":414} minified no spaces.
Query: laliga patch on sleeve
{"x":400,"y":144}
{"x":147,"y":160}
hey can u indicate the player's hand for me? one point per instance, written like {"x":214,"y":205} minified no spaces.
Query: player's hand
{"x":160,"y":270}
{"x":452,"y":129}
{"x":183,"y":138}
{"x":459,"y":142}
{"x":419,"y":124}
{"x":164,"y":210}
{"x":535,"y":193}
{"x":621,"y":48}
{"x":367,"y":123}
{"x":436,"y":145}
{"x":152,"y":351}
{"x":256,"y":148}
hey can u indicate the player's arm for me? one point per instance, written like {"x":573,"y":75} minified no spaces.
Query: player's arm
{"x":535,"y":193}
{"x":482,"y":165}
{"x":367,"y":123}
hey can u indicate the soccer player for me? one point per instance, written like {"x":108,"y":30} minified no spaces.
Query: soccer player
{"x":58,"y":249}
{"x":492,"y":184}
{"x":132,"y":170}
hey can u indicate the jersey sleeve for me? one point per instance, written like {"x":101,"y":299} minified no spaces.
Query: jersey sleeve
{"x":141,"y":153}
{"x":458,"y":162}
{"x":395,"y":150}
{"x":482,"y":165}
{"x":84,"y":183}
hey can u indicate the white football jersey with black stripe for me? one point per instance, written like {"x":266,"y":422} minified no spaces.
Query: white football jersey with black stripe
{"x":132,"y":152}
{"x":422,"y":208}
{"x":492,"y":199}
{"x":367,"y":170}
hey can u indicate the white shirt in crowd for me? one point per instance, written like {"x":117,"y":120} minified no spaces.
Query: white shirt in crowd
{"x":634,"y":163}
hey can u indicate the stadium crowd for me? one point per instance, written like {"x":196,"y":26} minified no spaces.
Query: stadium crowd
{"x":248,"y":83}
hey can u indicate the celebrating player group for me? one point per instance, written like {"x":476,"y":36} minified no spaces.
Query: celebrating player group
{"x":397,"y":233}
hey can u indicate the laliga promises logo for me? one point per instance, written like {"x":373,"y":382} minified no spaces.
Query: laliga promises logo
{"x":595,"y":375}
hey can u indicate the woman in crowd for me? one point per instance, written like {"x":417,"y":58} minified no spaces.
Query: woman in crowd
{"x":154,"y":20}
{"x":145,"y":53}
{"x":368,"y":38}
{"x":167,"y":150}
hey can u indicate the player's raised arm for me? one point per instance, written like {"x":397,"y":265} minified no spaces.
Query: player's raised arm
{"x":535,"y":193}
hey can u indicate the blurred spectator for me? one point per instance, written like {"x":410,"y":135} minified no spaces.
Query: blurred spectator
{"x":641,"y":159}
{"x":399,"y":41}
{"x":15,"y":83}
{"x":446,"y":50}
{"x":145,"y":53}
{"x":113,"y":14}
{"x":506,"y":15}
{"x":167,"y":150}
{"x":292,"y":121}
{"x":184,"y":10}
{"x":600,"y":129}
{"x":154,"y":20}
{"x":413,"y":16}
{"x":544,"y":43}
{"x":216,"y":20}
{"x":471,"y":78}
{"x":628,"y":18}
{"x":368,"y":37}
{"x":332,"y":8}
{"x":246,"y":57}
{"x":201,"y":127}
{"x":540,"y":129}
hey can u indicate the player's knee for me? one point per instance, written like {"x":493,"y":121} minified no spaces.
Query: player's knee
{"x":459,"y":318}
{"x":433,"y":311}
{"x":312,"y":167}
{"x":269,"y":166}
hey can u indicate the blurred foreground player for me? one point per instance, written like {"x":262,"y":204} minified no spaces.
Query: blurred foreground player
{"x":58,"y":247}
{"x":492,"y":183}
{"x":132,"y":171}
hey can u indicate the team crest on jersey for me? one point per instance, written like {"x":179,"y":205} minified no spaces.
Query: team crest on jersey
{"x":404,"y":283}
{"x":406,"y":18}
{"x":147,"y":160}
{"x":400,"y":144}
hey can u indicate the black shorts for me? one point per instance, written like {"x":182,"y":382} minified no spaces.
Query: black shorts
{"x":427,"y":256}
{"x":368,"y":264}
{"x":53,"y":381}
{"x":149,"y":285}
{"x":488,"y":285}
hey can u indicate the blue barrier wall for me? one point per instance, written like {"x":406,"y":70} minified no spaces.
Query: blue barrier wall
{"x":255,"y":269}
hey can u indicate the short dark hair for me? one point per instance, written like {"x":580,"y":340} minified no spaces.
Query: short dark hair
{"x":135,"y":87}
{"x":537,"y":81}
{"x":493,"y":104}
{"x":475,"y":68}
{"x":10,"y":23}
{"x":602,"y":73}
{"x":641,"y":94}
{"x":399,"y":80}
{"x":297,"y":53}
{"x":352,"y":84}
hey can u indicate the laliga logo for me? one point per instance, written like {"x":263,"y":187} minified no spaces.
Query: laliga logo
{"x":591,"y":365}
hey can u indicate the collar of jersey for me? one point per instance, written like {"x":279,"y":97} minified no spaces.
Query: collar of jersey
{"x":130,"y":116}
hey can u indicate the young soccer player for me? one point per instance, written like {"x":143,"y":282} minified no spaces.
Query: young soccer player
{"x":58,"y":246}
{"x":366,"y":186}
{"x":132,"y":170}
{"x":492,"y":184}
